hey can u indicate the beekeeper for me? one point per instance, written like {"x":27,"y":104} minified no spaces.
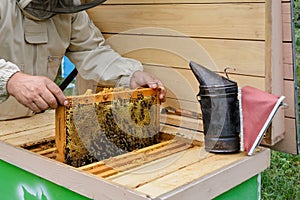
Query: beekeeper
{"x":34,"y":37}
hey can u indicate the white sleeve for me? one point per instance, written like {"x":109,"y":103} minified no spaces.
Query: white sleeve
{"x":7,"y":69}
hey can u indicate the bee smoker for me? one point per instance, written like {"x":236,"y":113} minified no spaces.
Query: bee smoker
{"x":218,"y":98}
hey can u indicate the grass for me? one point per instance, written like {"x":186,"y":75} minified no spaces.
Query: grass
{"x":282,"y":180}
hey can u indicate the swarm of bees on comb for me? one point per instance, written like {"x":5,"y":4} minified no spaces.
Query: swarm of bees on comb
{"x":98,"y":126}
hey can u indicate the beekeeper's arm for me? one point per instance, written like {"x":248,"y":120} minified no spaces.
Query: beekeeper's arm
{"x":27,"y":89}
{"x":97,"y":61}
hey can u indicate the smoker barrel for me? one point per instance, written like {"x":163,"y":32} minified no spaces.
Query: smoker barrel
{"x":218,"y":98}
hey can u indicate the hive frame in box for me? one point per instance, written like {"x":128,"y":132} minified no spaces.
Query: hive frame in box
{"x":98,"y":105}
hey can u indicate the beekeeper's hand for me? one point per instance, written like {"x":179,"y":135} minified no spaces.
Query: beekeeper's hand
{"x":140,"y":79}
{"x":35,"y":92}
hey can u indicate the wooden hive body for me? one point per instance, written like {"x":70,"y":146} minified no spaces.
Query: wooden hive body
{"x":99,"y":126}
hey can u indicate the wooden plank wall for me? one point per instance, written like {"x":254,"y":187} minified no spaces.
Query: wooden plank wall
{"x":289,"y":143}
{"x":208,"y":33}
{"x":166,"y":34}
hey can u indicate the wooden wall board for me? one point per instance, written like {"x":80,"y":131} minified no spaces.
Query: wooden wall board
{"x":183,"y":87}
{"x":23,"y":124}
{"x":289,"y":143}
{"x":182,"y":84}
{"x":287,"y":40}
{"x":274,"y":53}
{"x":214,"y":54}
{"x":187,"y":105}
{"x":289,"y":72}
{"x":216,"y":182}
{"x":287,"y":21}
{"x":288,"y":53}
{"x":170,"y":182}
{"x":181,"y":123}
{"x":274,"y":61}
{"x":178,"y":1}
{"x":196,"y":20}
{"x":196,"y":135}
{"x":138,"y":177}
{"x":30,"y":137}
{"x":290,"y":110}
{"x":36,"y":129}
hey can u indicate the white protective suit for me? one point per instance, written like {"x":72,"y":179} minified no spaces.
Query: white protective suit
{"x":37,"y":48}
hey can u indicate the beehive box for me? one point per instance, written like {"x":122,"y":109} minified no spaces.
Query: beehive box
{"x":176,"y":166}
{"x":95,"y":127}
